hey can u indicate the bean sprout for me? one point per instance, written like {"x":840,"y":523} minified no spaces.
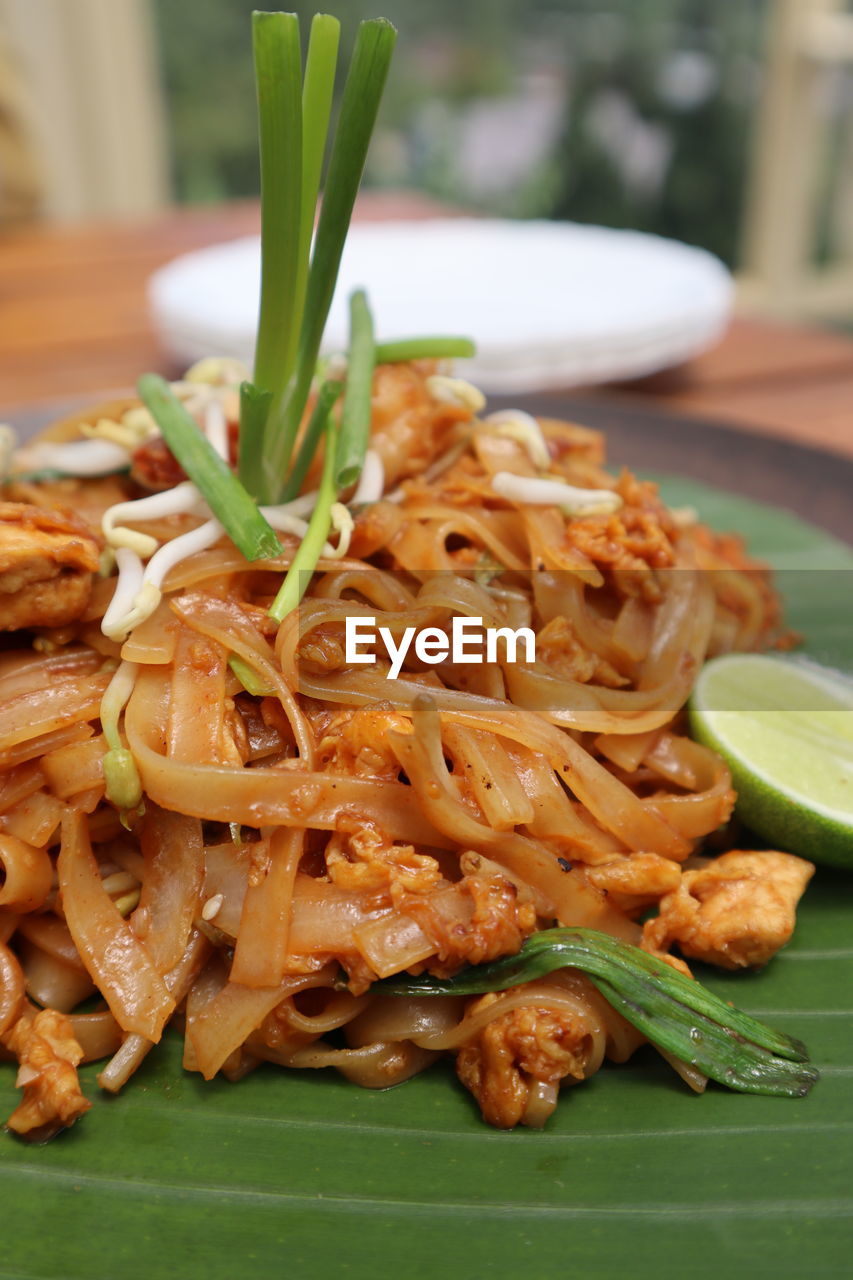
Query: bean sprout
{"x":555,"y":493}
{"x":518,"y":425}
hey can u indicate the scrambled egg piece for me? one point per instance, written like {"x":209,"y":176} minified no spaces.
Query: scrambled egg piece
{"x":47,"y":559}
{"x":736,"y":912}
{"x":410,"y":425}
{"x":632,"y":543}
{"x":356,"y":742}
{"x":366,"y":862}
{"x":48,"y":1055}
{"x":517,"y":1051}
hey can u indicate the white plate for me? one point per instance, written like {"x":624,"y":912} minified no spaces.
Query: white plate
{"x":549,"y":304}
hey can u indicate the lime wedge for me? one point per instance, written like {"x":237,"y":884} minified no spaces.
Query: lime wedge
{"x":785,"y":727}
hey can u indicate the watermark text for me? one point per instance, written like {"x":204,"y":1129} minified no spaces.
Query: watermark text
{"x":468,"y":641}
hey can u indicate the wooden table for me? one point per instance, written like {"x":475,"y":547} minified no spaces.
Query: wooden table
{"x":74,"y":322}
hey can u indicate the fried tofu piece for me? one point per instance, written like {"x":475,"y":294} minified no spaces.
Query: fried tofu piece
{"x":47,"y":560}
{"x":736,"y":912}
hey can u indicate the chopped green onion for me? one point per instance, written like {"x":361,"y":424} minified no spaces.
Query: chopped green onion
{"x":254,"y":409}
{"x":345,"y":449}
{"x":362,"y":94}
{"x":326,"y":397}
{"x":355,"y":419}
{"x":672,"y":1011}
{"x":249,"y":678}
{"x":48,"y":474}
{"x":436,"y":348}
{"x":310,"y":549}
{"x":220,"y":488}
{"x":278,"y":79}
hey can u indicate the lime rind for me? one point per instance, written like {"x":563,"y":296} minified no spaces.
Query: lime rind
{"x":787,"y":762}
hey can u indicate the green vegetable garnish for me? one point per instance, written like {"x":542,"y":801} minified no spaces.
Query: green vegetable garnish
{"x":432,"y":348}
{"x":249,"y":678}
{"x":362,"y":93}
{"x":673,"y":1011}
{"x":292,"y":129}
{"x":278,"y":77}
{"x":254,"y":408}
{"x":222,"y":491}
{"x":344,"y":457}
{"x":310,"y":549}
{"x":326,"y":397}
{"x":317,"y":91}
{"x":355,"y":419}
{"x":297,"y":286}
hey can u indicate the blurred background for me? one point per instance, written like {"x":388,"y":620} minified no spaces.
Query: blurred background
{"x":728,"y":125}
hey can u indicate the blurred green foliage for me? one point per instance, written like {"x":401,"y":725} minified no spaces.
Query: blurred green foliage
{"x":646,"y":121}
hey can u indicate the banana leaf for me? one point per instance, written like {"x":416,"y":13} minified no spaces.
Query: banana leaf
{"x":301,"y":1174}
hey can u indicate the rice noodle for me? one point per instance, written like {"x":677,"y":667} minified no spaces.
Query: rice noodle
{"x":118,"y":964}
{"x":308,"y":824}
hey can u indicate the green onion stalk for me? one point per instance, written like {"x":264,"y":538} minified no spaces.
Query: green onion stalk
{"x":362,"y":95}
{"x":297,"y":285}
{"x":310,"y":548}
{"x":674,"y":1012}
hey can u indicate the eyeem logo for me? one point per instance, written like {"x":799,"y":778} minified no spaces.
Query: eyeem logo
{"x":465,"y":644}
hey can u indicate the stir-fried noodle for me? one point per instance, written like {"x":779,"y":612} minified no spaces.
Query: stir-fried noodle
{"x":307,"y":824}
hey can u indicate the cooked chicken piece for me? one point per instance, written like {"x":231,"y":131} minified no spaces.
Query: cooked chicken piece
{"x":48,"y":1055}
{"x":641,"y":875}
{"x":737,"y":911}
{"x":47,"y":559}
{"x":409,"y":425}
{"x":519,"y":1051}
{"x":500,"y":920}
{"x":88,"y":498}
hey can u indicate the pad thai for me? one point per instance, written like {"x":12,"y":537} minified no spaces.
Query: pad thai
{"x":218,"y":820}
